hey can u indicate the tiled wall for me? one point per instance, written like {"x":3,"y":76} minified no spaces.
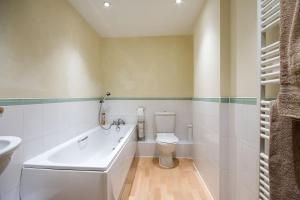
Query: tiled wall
{"x":127,"y":109}
{"x":226,"y":145}
{"x":246,"y":139}
{"x":41,"y":126}
{"x":225,"y":148}
{"x":206,"y":143}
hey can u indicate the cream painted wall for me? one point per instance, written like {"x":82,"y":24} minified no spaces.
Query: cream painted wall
{"x":225,"y":48}
{"x":47,"y":50}
{"x":244,"y":72}
{"x":148,"y":66}
{"x":207,"y":51}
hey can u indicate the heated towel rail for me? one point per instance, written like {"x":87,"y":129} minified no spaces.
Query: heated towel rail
{"x":268,"y":18}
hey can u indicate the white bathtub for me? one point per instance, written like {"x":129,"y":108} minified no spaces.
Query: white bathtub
{"x":91,"y":166}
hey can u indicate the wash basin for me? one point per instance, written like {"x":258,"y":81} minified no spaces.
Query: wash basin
{"x":8,"y":144}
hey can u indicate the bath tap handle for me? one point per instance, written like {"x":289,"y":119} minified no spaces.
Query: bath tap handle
{"x":121,"y":121}
{"x":83,"y":139}
{"x":118,"y":122}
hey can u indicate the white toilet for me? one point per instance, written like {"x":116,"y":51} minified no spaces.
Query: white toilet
{"x":166,"y":139}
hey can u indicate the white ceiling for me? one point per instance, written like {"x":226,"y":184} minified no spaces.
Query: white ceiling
{"x":130,"y":18}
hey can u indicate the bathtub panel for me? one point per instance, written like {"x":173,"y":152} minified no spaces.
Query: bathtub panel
{"x":118,"y":172}
{"x":44,"y":184}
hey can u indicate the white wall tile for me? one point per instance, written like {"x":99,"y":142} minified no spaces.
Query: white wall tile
{"x":245,"y":124}
{"x":51,"y":120}
{"x":127,"y":110}
{"x":147,"y":149}
{"x":41,"y":126}
{"x":33,"y":122}
{"x":206,"y":137}
{"x":11,"y":121}
{"x":247,"y":167}
{"x":234,"y":134}
{"x":225,"y":137}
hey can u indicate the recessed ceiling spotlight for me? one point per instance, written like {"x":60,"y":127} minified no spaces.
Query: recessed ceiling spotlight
{"x":179,"y":1}
{"x":107,"y":4}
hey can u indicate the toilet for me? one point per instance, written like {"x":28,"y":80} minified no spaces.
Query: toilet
{"x":166,"y":139}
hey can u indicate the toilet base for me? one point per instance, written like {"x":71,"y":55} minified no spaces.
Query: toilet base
{"x":166,"y":161}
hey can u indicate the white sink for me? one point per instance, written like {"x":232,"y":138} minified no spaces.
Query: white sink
{"x":8,"y":144}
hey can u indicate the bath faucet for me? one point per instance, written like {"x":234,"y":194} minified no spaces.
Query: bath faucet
{"x":118,"y":123}
{"x":121,"y":122}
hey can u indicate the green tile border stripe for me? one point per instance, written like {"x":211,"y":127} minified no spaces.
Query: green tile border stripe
{"x":247,"y":101}
{"x":212,"y":99}
{"x":236,"y":100}
{"x":11,"y":102}
{"x":233,"y":100}
{"x":150,"y":98}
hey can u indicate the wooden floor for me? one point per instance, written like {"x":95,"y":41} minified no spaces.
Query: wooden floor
{"x":148,"y":181}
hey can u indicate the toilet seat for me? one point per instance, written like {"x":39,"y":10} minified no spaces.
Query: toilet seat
{"x":166,"y":138}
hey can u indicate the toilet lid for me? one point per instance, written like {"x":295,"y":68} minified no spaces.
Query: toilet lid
{"x":167,"y":138}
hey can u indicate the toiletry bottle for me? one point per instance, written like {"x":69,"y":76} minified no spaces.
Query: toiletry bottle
{"x":103,"y":119}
